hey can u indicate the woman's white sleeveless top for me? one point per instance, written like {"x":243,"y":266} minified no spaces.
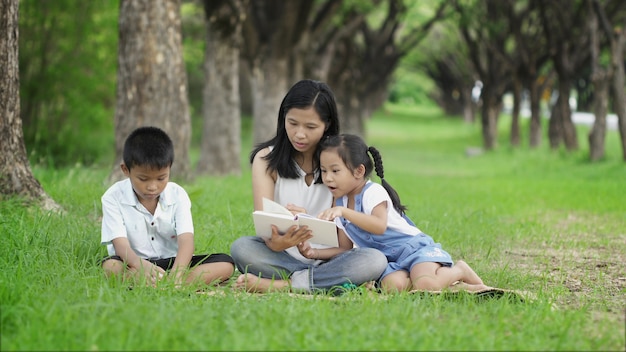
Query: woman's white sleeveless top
{"x":314,"y":198}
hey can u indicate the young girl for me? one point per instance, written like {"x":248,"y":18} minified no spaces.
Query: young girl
{"x":286,"y":169}
{"x":372,"y":216}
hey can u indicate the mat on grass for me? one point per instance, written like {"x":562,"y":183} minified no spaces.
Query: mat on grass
{"x":488,"y":293}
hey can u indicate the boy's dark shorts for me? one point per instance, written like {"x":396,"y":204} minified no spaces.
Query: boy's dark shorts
{"x":167,"y":263}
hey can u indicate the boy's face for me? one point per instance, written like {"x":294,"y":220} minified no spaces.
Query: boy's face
{"x":148,"y":182}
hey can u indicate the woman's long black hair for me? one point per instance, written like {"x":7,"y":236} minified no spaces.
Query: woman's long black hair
{"x":302,"y":95}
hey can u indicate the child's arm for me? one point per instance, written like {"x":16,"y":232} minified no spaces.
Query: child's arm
{"x":134,"y":262}
{"x":183,"y":256}
{"x":326,"y":253}
{"x":375,"y":223}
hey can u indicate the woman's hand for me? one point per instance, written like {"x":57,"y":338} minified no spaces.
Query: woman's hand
{"x":292,"y":237}
{"x":295,"y":210}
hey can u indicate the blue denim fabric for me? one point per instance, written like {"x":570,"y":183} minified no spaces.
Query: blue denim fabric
{"x":402,"y":251}
{"x":355,"y":266}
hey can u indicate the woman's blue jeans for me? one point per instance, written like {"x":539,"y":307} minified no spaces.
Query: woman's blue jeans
{"x":356,"y":266}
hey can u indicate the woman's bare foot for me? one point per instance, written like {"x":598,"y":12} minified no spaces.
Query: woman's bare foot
{"x":469,"y":276}
{"x":253,"y":283}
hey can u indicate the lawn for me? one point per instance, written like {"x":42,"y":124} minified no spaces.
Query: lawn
{"x":547,"y":223}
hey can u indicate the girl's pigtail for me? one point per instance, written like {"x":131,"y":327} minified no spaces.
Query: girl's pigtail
{"x":380,"y":172}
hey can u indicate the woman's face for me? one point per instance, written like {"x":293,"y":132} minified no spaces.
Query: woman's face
{"x":304,"y":128}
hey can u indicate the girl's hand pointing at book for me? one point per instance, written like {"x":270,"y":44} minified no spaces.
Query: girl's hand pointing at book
{"x":331,"y":214}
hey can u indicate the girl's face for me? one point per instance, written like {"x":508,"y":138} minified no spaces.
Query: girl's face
{"x":304,"y":128}
{"x":340,"y":180}
{"x":148,"y":183}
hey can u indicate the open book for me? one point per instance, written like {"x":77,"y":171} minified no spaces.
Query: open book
{"x":324,"y":232}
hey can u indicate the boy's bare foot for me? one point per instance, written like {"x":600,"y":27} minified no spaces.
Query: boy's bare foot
{"x":469,"y":276}
{"x":253,"y":283}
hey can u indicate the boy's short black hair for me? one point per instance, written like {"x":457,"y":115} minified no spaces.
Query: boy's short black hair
{"x":148,"y":146}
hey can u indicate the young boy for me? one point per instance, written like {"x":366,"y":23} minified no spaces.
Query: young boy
{"x":146,"y":222}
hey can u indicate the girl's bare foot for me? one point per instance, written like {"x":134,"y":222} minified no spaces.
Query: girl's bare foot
{"x":253,"y":283}
{"x":469,"y":276}
{"x":370,"y":285}
{"x":463,"y":286}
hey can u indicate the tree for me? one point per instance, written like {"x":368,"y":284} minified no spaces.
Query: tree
{"x":331,"y":22}
{"x":486,"y":32}
{"x":619,"y":95}
{"x":221,"y":141}
{"x":530,"y":56}
{"x":445,"y":60}
{"x":152,"y":81}
{"x":271,"y":30}
{"x":16,"y":177}
{"x":363,"y":64}
{"x":568,"y":39}
{"x":68,"y":60}
{"x":612,"y":17}
{"x":601,"y":75}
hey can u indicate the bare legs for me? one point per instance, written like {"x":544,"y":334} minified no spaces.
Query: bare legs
{"x":209,"y":274}
{"x":431,"y":276}
{"x":253,"y":283}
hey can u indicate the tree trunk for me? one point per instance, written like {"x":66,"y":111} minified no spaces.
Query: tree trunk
{"x":348,"y":106}
{"x":489,"y":119}
{"x":271,"y":31}
{"x":598,"y":131}
{"x":619,"y":95}
{"x":600,"y":77}
{"x":568,"y":40}
{"x":269,"y":86}
{"x":469,"y":106}
{"x":561,"y":127}
{"x":555,"y":134}
{"x":152,"y":81}
{"x":16,"y":177}
{"x":221,"y":141}
{"x":517,"y":97}
{"x":570,"y":138}
{"x":535,"y":114}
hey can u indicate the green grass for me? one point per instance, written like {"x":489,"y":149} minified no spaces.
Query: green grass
{"x":545,"y":222}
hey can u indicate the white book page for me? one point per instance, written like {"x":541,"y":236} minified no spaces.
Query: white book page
{"x":263,"y":222}
{"x":270,"y":206}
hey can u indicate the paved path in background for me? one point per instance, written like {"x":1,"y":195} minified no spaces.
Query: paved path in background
{"x":587,"y":118}
{"x":584,"y":118}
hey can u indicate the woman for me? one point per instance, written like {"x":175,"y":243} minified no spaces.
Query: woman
{"x":286,"y":169}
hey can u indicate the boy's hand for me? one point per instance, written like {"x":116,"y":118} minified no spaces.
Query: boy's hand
{"x":152,"y":272}
{"x":178,"y":277}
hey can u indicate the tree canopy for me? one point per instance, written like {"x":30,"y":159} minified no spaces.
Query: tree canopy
{"x":368,"y":51}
